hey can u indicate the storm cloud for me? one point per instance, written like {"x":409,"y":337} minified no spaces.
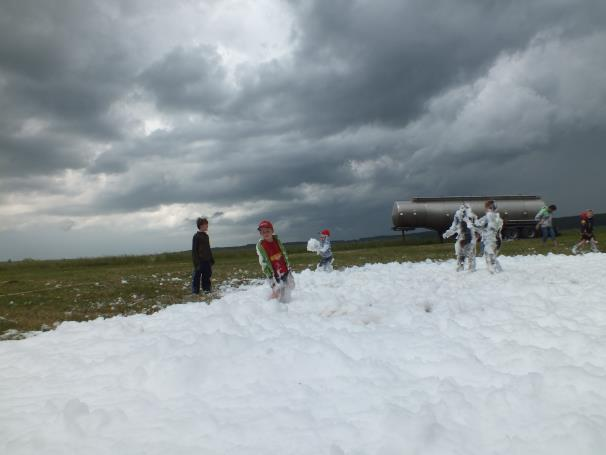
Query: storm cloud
{"x":130,"y":119}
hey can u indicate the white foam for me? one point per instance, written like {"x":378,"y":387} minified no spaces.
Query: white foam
{"x":391,"y":359}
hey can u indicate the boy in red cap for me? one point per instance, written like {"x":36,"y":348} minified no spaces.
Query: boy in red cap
{"x":586,"y":233}
{"x":274,"y":262}
{"x":325,"y":251}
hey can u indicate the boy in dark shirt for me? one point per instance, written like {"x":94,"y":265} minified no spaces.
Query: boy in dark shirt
{"x":202,"y":257}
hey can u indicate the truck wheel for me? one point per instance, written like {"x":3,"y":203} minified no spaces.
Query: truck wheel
{"x":528,"y":232}
{"x":510,"y":234}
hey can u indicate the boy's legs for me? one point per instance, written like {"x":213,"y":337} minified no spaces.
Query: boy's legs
{"x":489,"y":254}
{"x":206,"y":273}
{"x":575,"y":248}
{"x":459,"y":254}
{"x":497,"y":265}
{"x":548,"y":232}
{"x":195,"y":280}
{"x":497,"y":250}
{"x":283,"y":287}
{"x":287,"y":280}
{"x":470,"y":254}
{"x":552,"y":235}
{"x":275,"y":289}
{"x":325,"y":264}
{"x":494,"y":267}
{"x":290,"y":281}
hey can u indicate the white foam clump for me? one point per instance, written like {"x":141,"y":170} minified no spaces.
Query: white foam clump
{"x":313,"y":245}
{"x":382,"y":359}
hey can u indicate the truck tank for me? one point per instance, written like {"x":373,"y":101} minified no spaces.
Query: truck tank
{"x":437,"y":213}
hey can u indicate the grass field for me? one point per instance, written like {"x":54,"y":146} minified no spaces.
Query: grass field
{"x":38,"y":295}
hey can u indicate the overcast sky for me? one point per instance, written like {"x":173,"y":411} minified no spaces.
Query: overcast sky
{"x":121,"y":121}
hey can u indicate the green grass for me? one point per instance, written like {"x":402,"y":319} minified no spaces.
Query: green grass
{"x":38,"y":295}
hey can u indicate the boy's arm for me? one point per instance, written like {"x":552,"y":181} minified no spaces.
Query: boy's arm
{"x":499,"y":223}
{"x":452,"y":229}
{"x":194,"y":250}
{"x":284,"y":253}
{"x":481,"y":222}
{"x":209,"y":249}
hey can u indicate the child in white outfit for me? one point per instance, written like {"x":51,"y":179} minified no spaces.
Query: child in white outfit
{"x":465,"y":246}
{"x":490,"y":226}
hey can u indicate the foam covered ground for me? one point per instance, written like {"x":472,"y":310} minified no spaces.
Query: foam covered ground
{"x":408,"y":358}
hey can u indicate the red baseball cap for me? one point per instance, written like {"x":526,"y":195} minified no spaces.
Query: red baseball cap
{"x":325,"y":232}
{"x":265,"y":224}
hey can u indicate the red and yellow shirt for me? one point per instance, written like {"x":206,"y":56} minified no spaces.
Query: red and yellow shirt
{"x":275,"y":256}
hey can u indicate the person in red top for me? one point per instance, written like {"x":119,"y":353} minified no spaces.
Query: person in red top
{"x":274,"y":262}
{"x":276,"y":258}
{"x":587,"y":236}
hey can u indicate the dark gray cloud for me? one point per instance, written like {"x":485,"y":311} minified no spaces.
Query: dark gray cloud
{"x":191,"y":79}
{"x":129,"y":111}
{"x":62,"y":67}
{"x":39,"y":155}
{"x":378,"y":62}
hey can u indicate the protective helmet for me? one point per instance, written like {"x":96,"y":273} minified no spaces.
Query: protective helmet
{"x":325,"y":232}
{"x":265,"y":224}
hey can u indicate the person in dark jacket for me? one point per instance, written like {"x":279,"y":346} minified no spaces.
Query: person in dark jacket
{"x":202,"y":257}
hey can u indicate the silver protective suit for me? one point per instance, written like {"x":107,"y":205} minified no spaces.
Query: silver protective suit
{"x":490,"y":226}
{"x":463,"y":225}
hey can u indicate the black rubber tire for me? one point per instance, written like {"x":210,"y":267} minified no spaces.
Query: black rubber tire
{"x":510,"y":234}
{"x":529,"y":233}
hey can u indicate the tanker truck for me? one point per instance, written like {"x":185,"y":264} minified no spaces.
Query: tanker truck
{"x":436,"y":213}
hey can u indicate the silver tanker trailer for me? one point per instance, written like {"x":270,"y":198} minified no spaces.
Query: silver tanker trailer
{"x":437,"y":213}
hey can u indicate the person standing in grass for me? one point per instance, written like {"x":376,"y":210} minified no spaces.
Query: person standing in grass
{"x":587,"y":236}
{"x":202,"y":257}
{"x":274,"y":262}
{"x":544,"y":219}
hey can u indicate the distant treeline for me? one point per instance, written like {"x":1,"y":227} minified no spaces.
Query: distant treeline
{"x":423,"y":235}
{"x":571,"y":222}
{"x":413,"y":237}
